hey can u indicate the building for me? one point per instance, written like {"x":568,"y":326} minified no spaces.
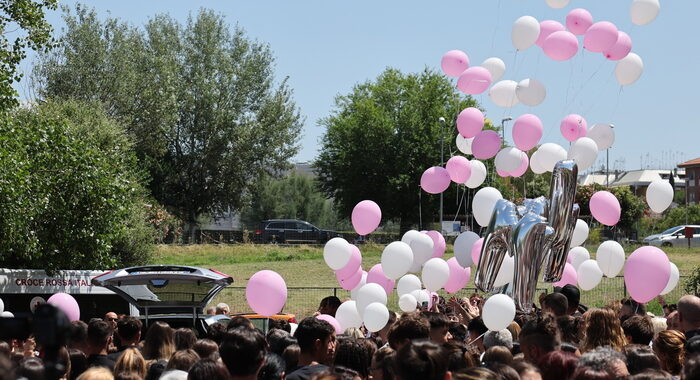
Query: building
{"x":692,"y":185}
{"x":636,"y":180}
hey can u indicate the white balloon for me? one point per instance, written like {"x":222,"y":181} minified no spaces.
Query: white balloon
{"x":363,"y":281}
{"x":435,"y":274}
{"x":672,"y":281}
{"x":421,"y":296}
{"x":580,"y":233}
{"x":535,"y":164}
{"x":498,"y":312}
{"x":415,"y":267}
{"x":557,"y":4}
{"x":483,"y":203}
{"x":508,"y":159}
{"x":549,"y":154}
{"x":368,"y":294}
{"x":589,"y":275}
{"x":584,"y":151}
{"x":503,"y":93}
{"x":6,"y":314}
{"x":463,"y":248}
{"x":659,"y":195}
{"x":495,"y":66}
{"x":347,"y":315}
{"x":408,"y":284}
{"x":610,"y":257}
{"x":629,"y":69}
{"x":530,"y":92}
{"x":422,"y":247}
{"x":375,"y":317}
{"x":410,"y":235}
{"x":603,"y":135}
{"x":408,"y":303}
{"x":464,"y":144}
{"x":478,"y":174}
{"x":643,"y":12}
{"x":505,"y":272}
{"x":525,"y":31}
{"x":397,"y":258}
{"x":578,"y":255}
{"x":337,"y":253}
{"x":2,"y":306}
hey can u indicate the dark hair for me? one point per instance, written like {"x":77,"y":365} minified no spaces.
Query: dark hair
{"x":409,"y":326}
{"x":636,"y":307}
{"x":184,"y":338}
{"x":458,"y":331}
{"x":127,"y":376}
{"x":523,"y":366}
{"x":557,"y":365}
{"x":498,"y":354}
{"x":31,"y":369}
{"x":291,"y":356}
{"x":557,"y":302}
{"x":421,"y":360}
{"x":639,"y":358}
{"x":476,"y":373}
{"x":477,"y":325}
{"x":639,"y":328}
{"x":651,"y":374}
{"x":309,"y":330}
{"x":273,"y":368}
{"x":572,"y":294}
{"x":99,"y":332}
{"x":384,"y":359}
{"x":570,"y":328}
{"x":159,"y":343}
{"x":207,"y":369}
{"x":205,"y":348}
{"x":278,"y":340}
{"x":436,"y":320}
{"x":239,"y":321}
{"x":78,"y":362}
{"x":457,"y":356}
{"x":78,"y":334}
{"x":128,"y":328}
{"x":331,"y":301}
{"x":692,"y":346}
{"x":182,"y":360}
{"x":243,"y":351}
{"x":691,"y":369}
{"x":350,"y":353}
{"x":541,"y":332}
{"x":589,"y":373}
{"x":216,"y":332}
{"x":280,"y":324}
{"x":504,"y":371}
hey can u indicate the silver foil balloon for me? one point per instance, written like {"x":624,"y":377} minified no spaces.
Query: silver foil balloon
{"x":530,"y":245}
{"x":497,"y":244}
{"x":562,"y":215}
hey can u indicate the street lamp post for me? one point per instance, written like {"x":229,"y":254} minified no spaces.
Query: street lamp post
{"x":607,"y":164}
{"x":442,"y":159}
{"x":503,"y":128}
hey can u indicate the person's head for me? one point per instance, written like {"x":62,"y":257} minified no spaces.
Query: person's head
{"x":273,"y":368}
{"x":30,"y":369}
{"x":498,"y":338}
{"x":316,"y":338}
{"x":222,"y":308}
{"x":78,"y":362}
{"x":590,"y":373}
{"x":239,"y":321}
{"x":514,"y":329}
{"x":557,"y":365}
{"x":631,"y":307}
{"x":505,"y":372}
{"x":99,"y":335}
{"x":278,"y":340}
{"x":216,"y":331}
{"x":96,"y":373}
{"x":672,"y":322}
{"x":477,"y":329}
{"x":459,"y":332}
{"x":291,"y":356}
{"x":573,"y":297}
{"x":329,"y":305}
{"x":439,"y":327}
{"x":651,"y":374}
{"x":159,"y":343}
{"x":206,"y":348}
{"x":498,"y":354}
{"x":669,"y":347}
{"x":112,"y":319}
{"x":131,"y":361}
{"x":569,"y":327}
{"x":555,"y":303}
{"x":692,"y":346}
{"x":601,"y":328}
{"x":639,"y":358}
{"x":184,"y":338}
{"x":77,"y":338}
{"x":476,"y":373}
{"x":243,"y":351}
{"x":691,"y":369}
{"x":127,"y":376}
{"x":638,"y":329}
{"x":182,"y":360}
{"x":383,"y":364}
{"x":539,"y":336}
{"x":410,"y":326}
{"x":526,"y":370}
{"x":384,"y":332}
{"x":350,"y":353}
{"x":689,"y":313}
{"x":207,"y":369}
{"x":129,"y":330}
{"x":605,"y":358}
{"x":421,"y":360}
{"x":659,"y":324}
{"x":279,"y":324}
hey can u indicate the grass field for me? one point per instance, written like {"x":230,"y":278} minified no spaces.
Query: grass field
{"x":309,"y":279}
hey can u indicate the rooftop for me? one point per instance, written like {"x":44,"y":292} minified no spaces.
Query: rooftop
{"x":693,"y":162}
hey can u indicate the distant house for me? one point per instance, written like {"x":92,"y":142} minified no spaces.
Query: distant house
{"x":639,"y":180}
{"x":692,"y":180}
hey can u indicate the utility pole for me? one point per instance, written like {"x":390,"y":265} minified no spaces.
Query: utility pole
{"x":442,"y":159}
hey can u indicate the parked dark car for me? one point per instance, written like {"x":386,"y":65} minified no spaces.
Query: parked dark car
{"x":284,"y":231}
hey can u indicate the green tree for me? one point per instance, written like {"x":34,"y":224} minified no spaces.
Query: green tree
{"x":70,"y":191}
{"x":199,"y":99}
{"x":23,"y":19}
{"x":678,"y":216}
{"x":382,"y":136}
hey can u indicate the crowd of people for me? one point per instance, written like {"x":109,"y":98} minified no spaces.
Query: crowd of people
{"x":559,"y":340}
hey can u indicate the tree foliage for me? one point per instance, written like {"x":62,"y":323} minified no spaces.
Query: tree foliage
{"x":70,"y":191}
{"x":199,"y":100}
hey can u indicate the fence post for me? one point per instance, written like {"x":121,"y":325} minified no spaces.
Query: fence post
{"x":335,"y":292}
{"x":624,"y":286}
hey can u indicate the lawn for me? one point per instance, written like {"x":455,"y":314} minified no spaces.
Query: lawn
{"x":309,"y":279}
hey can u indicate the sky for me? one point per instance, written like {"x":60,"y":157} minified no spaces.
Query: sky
{"x":326,"y":47}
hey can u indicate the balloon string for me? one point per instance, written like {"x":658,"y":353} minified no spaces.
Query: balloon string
{"x":495,"y":29}
{"x":583,"y":85}
{"x":598,"y":95}
{"x":617,"y":103}
{"x":459,"y":207}
{"x":477,"y":338}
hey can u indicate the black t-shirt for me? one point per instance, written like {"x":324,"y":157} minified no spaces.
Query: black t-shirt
{"x":306,"y":372}
{"x":100,"y":361}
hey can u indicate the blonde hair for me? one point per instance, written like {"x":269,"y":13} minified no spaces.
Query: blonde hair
{"x":96,"y":373}
{"x":659,"y":324}
{"x":131,"y":361}
{"x":160,"y":342}
{"x":602,"y":328}
{"x":669,"y":347}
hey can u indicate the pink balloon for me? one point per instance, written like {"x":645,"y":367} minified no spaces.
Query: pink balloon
{"x":476,"y":251}
{"x":439,"y":243}
{"x":502,"y":173}
{"x":266,"y":293}
{"x":474,"y":80}
{"x":366,"y":216}
{"x":600,"y":37}
{"x":527,"y":131}
{"x":548,"y":27}
{"x":353,"y":264}
{"x":646,"y":273}
{"x":560,"y":46}
{"x":605,"y":208}
{"x":332,"y":321}
{"x":459,"y":168}
{"x":435,"y":180}
{"x":351,"y":281}
{"x":454,"y":62}
{"x":459,"y":276}
{"x":569,"y":277}
{"x":578,"y":21}
{"x":470,"y":122}
{"x":376,"y":275}
{"x":66,"y":303}
{"x":486,"y":144}
{"x":524,"y":164}
{"x":622,"y":47}
{"x":573,"y":127}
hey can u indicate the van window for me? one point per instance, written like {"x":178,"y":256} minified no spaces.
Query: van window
{"x":303,"y":226}
{"x":275,"y":226}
